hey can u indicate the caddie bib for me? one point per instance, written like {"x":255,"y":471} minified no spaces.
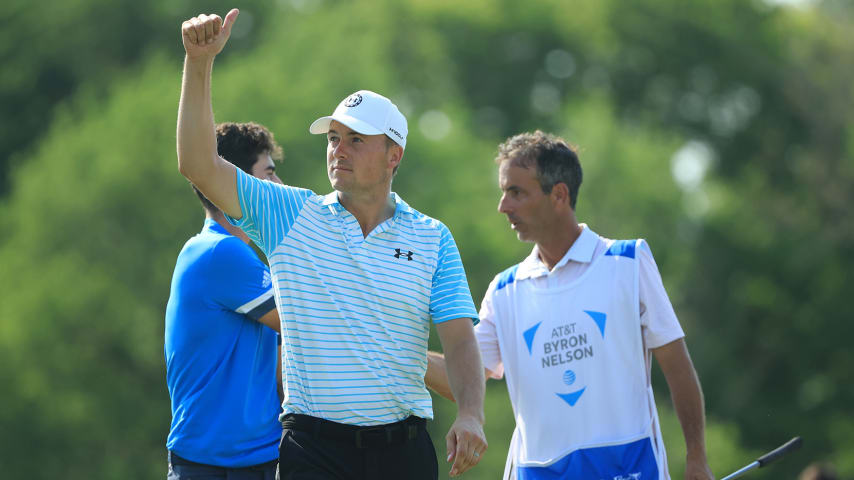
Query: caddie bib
{"x":577,"y":375}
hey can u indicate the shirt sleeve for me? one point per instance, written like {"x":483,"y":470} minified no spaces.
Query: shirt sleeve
{"x":658,"y":320}
{"x":450,"y":296}
{"x":487,"y":335}
{"x":239,"y":280}
{"x":268,"y":209}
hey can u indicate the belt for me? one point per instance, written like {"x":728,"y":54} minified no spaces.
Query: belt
{"x":175,"y":459}
{"x":361,"y":436}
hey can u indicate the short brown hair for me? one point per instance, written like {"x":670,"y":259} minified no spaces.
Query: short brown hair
{"x":555,"y":160}
{"x":240,"y":144}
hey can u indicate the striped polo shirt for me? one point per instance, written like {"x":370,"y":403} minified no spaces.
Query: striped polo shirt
{"x":355,"y":311}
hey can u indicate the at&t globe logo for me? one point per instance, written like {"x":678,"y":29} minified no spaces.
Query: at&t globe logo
{"x":353,"y":100}
{"x":569,"y":377}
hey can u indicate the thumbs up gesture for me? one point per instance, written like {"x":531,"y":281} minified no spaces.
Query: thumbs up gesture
{"x":205,"y":35}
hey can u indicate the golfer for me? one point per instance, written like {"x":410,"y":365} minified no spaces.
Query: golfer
{"x":358,"y":276}
{"x":221,"y":359}
{"x":573,"y":327}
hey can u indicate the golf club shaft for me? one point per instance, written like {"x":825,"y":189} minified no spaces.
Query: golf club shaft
{"x":742,"y":471}
{"x":769,"y":457}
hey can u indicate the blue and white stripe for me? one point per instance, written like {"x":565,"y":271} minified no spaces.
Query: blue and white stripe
{"x":355,"y":317}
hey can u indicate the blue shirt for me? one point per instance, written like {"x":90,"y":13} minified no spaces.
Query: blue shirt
{"x":355,"y":310}
{"x":220,"y":362}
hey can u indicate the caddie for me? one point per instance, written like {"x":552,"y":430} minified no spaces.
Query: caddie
{"x":573,"y":328}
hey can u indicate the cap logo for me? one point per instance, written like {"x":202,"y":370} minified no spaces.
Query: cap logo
{"x":353,"y":100}
{"x":395,"y":132}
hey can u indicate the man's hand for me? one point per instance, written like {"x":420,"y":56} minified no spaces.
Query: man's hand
{"x":698,"y":469}
{"x":466,"y":443}
{"x":205,"y":35}
{"x":675,"y":363}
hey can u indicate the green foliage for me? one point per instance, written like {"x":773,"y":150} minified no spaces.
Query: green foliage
{"x":91,"y":249}
{"x":51,"y":49}
{"x":755,"y":254}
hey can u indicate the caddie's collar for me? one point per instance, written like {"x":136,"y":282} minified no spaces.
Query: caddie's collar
{"x":581,"y":251}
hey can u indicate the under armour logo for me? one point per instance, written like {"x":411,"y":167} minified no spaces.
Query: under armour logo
{"x":398,"y":254}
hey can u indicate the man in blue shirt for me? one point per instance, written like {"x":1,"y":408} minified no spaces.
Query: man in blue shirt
{"x":359,"y":276}
{"x":221,"y":338}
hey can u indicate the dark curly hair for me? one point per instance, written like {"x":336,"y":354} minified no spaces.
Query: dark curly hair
{"x":555,"y":160}
{"x":240,"y":144}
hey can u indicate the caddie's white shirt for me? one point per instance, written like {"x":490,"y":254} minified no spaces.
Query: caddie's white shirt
{"x":655,"y":319}
{"x":658,"y":320}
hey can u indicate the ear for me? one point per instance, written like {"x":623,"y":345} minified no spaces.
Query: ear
{"x":395,"y":155}
{"x":560,"y":194}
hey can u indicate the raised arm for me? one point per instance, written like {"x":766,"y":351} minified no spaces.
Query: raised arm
{"x":687,"y":398}
{"x":204,"y":37}
{"x":466,"y":441}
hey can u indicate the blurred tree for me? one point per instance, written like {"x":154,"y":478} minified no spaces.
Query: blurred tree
{"x":769,"y":92}
{"x":52,"y":48}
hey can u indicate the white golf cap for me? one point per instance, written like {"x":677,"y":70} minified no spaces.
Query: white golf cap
{"x":368,"y":113}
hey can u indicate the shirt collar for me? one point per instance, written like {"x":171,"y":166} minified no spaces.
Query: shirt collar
{"x":581,"y":251}
{"x":213,"y":226}
{"x":331,"y":199}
